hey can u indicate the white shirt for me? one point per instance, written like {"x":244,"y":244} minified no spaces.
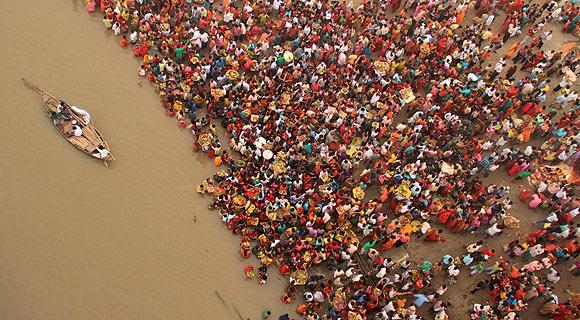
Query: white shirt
{"x":77,"y":131}
{"x":454,"y":272}
{"x":553,"y":276}
{"x":552,"y":217}
{"x":472,"y":77}
{"x":493,"y":230}
{"x":489,"y":20}
{"x":228,"y":16}
{"x":487,"y":145}
{"x":103,"y":153}
{"x":513,"y":30}
{"x":133,"y":37}
{"x":501,"y":141}
{"x":318,"y":296}
{"x":561,"y":194}
{"x":84,"y":114}
{"x":542,"y":187}
{"x":563,"y":156}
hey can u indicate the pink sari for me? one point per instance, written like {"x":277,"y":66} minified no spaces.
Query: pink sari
{"x":536,"y":200}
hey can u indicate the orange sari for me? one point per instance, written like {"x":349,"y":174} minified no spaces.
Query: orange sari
{"x":527,"y":132}
{"x":460,"y":16}
{"x":514,"y":48}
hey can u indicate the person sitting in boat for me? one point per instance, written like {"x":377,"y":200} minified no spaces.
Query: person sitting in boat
{"x":76,"y":130}
{"x":82,"y":113}
{"x":55,"y":117}
{"x":60,"y":113}
{"x":100,"y":152}
{"x":61,"y":107}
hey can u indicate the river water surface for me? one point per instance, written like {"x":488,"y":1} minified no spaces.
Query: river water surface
{"x":78,"y":240}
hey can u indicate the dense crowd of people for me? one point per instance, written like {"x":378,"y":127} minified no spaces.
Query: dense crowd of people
{"x":323,"y":175}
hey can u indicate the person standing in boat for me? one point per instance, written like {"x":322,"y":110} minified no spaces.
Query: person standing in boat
{"x":82,"y":113}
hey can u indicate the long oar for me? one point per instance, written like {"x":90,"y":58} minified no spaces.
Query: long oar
{"x":29,"y":84}
{"x":32,"y":86}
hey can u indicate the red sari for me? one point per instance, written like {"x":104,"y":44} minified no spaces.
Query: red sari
{"x":515,"y":168}
{"x":443,"y":216}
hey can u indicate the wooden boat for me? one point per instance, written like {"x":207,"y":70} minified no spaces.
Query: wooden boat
{"x":65,"y":119}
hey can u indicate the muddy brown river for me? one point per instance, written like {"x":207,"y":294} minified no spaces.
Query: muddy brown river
{"x":78,"y":240}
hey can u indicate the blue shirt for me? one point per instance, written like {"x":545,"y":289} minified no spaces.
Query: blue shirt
{"x":420,"y":299}
{"x":447,"y":259}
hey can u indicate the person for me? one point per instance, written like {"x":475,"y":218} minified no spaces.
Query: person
{"x":553,"y":276}
{"x":100,"y":152}
{"x":75,"y":130}
{"x":493,"y":230}
{"x":61,"y":113}
{"x":123,"y":41}
{"x":266,"y":313}
{"x":82,"y":113}
{"x":420,"y":299}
